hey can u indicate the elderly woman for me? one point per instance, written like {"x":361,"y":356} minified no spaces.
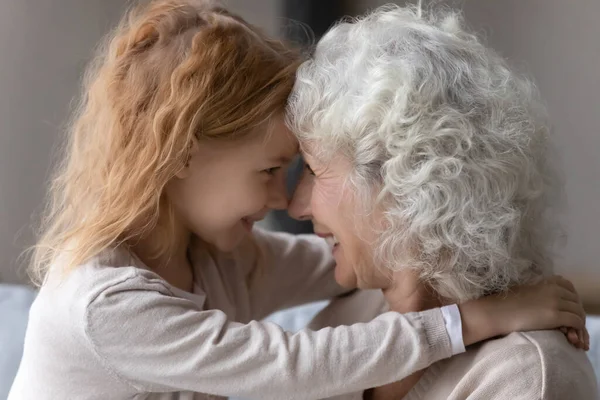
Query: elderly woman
{"x":425,"y":169}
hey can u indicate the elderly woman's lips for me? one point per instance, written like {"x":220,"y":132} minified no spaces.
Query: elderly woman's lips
{"x":329,"y":238}
{"x":331,"y":241}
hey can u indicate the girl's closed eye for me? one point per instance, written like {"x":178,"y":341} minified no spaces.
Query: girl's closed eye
{"x":271,"y":171}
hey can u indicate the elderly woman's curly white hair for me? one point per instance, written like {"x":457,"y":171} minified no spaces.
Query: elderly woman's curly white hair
{"x":453,"y":138}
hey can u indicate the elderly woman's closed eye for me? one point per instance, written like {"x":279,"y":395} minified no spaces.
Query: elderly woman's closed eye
{"x":426,"y":170}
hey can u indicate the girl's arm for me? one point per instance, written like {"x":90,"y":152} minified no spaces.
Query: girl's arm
{"x":156,"y":342}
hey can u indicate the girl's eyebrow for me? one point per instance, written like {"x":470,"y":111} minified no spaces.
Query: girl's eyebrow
{"x":281,"y":159}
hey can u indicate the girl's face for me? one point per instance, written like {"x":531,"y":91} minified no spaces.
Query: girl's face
{"x":228,"y":186}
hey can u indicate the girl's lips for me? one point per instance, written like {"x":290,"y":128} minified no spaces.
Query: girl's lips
{"x":248,"y":224}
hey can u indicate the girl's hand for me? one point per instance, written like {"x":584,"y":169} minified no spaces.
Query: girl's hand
{"x":579,"y":339}
{"x":553,"y":303}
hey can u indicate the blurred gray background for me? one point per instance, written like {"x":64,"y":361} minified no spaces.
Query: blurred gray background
{"x":44,"y":46}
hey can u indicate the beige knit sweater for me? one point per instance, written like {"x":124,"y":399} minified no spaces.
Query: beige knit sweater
{"x":114,"y":330}
{"x":539,"y":365}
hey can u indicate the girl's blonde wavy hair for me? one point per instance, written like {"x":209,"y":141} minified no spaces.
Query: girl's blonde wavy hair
{"x":173,"y":71}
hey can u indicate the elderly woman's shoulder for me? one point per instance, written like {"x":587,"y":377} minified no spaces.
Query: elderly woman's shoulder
{"x":538,"y":363}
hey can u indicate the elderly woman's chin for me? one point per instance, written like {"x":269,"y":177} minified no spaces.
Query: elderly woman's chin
{"x":356,"y":272}
{"x":345,"y":276}
{"x":352,"y":268}
{"x":344,"y":273}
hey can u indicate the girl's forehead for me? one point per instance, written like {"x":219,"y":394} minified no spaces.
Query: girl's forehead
{"x":278,"y":139}
{"x":281,"y":147}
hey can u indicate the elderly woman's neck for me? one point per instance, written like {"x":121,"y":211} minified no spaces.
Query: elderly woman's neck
{"x":407,"y":293}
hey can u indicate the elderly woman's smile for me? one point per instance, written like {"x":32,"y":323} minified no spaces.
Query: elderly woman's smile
{"x":324,"y":196}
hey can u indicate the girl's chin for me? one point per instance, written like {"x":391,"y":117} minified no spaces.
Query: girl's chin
{"x":228,"y":241}
{"x":247,"y":225}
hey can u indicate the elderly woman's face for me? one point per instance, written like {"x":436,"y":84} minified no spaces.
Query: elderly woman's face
{"x":322,"y":197}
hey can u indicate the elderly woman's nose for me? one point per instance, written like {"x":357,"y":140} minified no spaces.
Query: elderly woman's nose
{"x":299,"y":207}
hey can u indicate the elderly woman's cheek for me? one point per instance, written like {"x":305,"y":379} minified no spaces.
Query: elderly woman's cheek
{"x":344,"y":274}
{"x":325,"y":207}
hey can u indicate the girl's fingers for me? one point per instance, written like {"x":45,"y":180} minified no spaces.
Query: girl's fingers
{"x":566,"y":294}
{"x":565,"y":283}
{"x":563,"y":329}
{"x":571,"y":320}
{"x":586,"y":339}
{"x":572,"y":307}
{"x":573,"y":338}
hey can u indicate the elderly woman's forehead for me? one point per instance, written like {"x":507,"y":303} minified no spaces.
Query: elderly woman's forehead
{"x":311,"y":160}
{"x":307,"y":148}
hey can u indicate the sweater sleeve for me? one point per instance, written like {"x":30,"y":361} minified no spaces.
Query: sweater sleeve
{"x":289,"y":270}
{"x":157,"y":342}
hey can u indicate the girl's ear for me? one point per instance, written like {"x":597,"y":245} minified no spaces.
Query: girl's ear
{"x":191,"y":156}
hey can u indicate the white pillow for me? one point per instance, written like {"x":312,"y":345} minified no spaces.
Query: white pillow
{"x":593,"y":325}
{"x":15,"y":301}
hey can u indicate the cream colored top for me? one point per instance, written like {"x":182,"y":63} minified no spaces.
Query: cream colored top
{"x":112,"y":329}
{"x":538,"y":365}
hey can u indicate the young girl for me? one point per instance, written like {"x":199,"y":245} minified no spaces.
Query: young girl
{"x":151,"y":283}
